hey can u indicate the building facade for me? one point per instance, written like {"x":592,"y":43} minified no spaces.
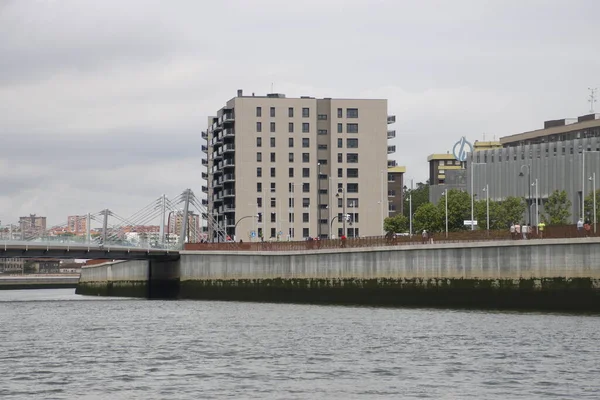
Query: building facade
{"x":564,"y":155}
{"x":77,"y":224}
{"x":395,"y":189}
{"x":291,"y":168}
{"x":32,"y":226}
{"x":12,"y":265}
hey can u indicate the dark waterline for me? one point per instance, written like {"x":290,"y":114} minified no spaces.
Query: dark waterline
{"x":57,"y":345}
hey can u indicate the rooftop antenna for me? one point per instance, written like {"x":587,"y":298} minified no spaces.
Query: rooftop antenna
{"x":592,"y":99}
{"x":272,"y":88}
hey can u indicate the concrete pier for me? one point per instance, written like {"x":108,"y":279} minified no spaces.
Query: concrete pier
{"x":554,"y":274}
{"x":38,"y":282}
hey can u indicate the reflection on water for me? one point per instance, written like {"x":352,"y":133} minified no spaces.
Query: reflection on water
{"x":57,"y":345}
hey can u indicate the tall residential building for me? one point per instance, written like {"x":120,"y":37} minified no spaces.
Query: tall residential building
{"x":175,"y":220}
{"x":77,"y":224}
{"x":32,"y":225}
{"x":292,"y":168}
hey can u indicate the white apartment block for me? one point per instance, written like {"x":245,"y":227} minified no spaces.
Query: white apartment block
{"x":290,"y":168}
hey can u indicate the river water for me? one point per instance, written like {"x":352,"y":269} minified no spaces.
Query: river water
{"x":57,"y":345}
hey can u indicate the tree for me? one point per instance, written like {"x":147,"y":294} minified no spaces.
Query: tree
{"x":557,"y":208}
{"x":589,"y":206}
{"x":396,"y":224}
{"x":512,"y":209}
{"x":496,"y":215}
{"x":459,"y":209}
{"x":420,"y":196}
{"x":427,"y":217}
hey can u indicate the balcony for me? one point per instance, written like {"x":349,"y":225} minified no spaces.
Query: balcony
{"x":218,"y":154}
{"x":204,"y":161}
{"x":391,"y":149}
{"x":230,"y":162}
{"x":391,"y":119}
{"x":204,"y":135}
{"x":228,"y":148}
{"x":391,"y":134}
{"x":229,"y":208}
{"x":205,"y":189}
{"x":204,"y":148}
{"x":228,"y":133}
{"x":229,"y":178}
{"x":204,"y":202}
{"x":392,"y":163}
{"x":204,"y":175}
{"x":228,"y":117}
{"x":228,"y":193}
{"x":230,"y":223}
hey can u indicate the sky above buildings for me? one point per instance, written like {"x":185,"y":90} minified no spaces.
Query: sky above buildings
{"x":102,"y":102}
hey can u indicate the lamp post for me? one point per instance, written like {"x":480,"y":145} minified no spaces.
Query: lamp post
{"x":537,"y":201}
{"x":410,"y":227}
{"x":486,"y":189}
{"x":593,"y":179}
{"x":446,"y":198}
{"x":529,"y":177}
{"x":238,"y":221}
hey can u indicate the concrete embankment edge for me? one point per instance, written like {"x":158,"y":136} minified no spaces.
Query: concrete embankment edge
{"x":544,"y":275}
{"x":118,"y":278}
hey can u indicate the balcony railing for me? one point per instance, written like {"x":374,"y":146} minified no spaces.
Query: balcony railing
{"x":230,"y":162}
{"x":229,"y":208}
{"x":204,"y":175}
{"x":204,"y":161}
{"x":205,"y":189}
{"x":391,"y":149}
{"x":204,"y":148}
{"x":229,"y":148}
{"x":204,"y":202}
{"x":391,"y":119}
{"x":228,"y":193}
{"x":228,"y":133}
{"x":391,"y":134}
{"x":204,"y":135}
{"x":229,"y":178}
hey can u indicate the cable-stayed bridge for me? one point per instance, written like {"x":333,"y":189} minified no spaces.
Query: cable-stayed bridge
{"x":159,"y":228}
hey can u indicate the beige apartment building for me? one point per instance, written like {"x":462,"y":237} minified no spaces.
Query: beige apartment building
{"x":290,"y":168}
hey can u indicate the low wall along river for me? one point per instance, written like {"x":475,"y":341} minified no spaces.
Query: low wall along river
{"x":553,"y":274}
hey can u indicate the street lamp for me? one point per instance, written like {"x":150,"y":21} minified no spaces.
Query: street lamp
{"x":238,"y":221}
{"x":486,"y":189}
{"x":537,"y":201}
{"x":472,"y":193}
{"x":521,"y":174}
{"x":593,"y":179}
{"x":410,"y":227}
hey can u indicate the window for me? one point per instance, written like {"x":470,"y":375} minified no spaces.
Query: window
{"x":259,"y":202}
{"x":391,"y":178}
{"x":352,"y":143}
{"x":352,"y":172}
{"x":291,"y":203}
{"x":305,"y":157}
{"x":305,"y":113}
{"x":305,"y":217}
{"x":272,"y":142}
{"x":259,"y":220}
{"x":291,"y":157}
{"x":272,"y":172}
{"x":258,"y":127}
{"x":322,"y":162}
{"x":352,"y":202}
{"x":322,"y":131}
{"x":352,"y":113}
{"x":340,"y":128}
{"x":352,"y":157}
{"x":306,"y":187}
{"x":352,"y":188}
{"x":340,"y":113}
{"x":291,"y":112}
{"x":272,"y":187}
{"x":291,"y":172}
{"x":305,"y":232}
{"x":258,"y":142}
{"x":290,"y":127}
{"x":273,"y":233}
{"x":322,"y":147}
{"x":291,"y":142}
{"x":258,"y":111}
{"x":272,"y":157}
{"x":323,"y":191}
{"x":291,"y":187}
{"x":273,"y":219}
{"x":258,"y":187}
{"x":340,"y":157}
{"x":305,"y":127}
{"x":305,"y":142}
{"x":291,"y":216}
{"x":306,"y":172}
{"x":273,"y":202}
{"x":322,"y":117}
{"x":258,"y":172}
{"x":340,"y":143}
{"x":352,"y":128}
{"x":340,"y":204}
{"x":259,"y":157}
{"x":272,"y":111}
{"x":272,"y":126}
{"x":340,"y":172}
{"x":305,"y":202}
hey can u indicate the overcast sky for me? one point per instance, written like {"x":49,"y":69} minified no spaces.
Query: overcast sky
{"x":102,"y":102}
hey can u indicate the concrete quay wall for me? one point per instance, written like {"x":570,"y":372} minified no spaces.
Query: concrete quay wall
{"x":117,"y":278}
{"x":38,"y":282}
{"x":553,"y":274}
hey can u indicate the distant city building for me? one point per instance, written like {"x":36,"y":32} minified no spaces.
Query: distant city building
{"x":395,"y":187}
{"x":11,"y":265}
{"x":32,"y":226}
{"x":194,"y":232}
{"x":77,"y":224}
